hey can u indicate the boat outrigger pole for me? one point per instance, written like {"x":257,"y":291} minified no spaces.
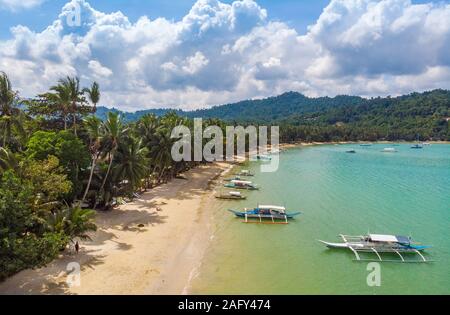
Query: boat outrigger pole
{"x":378,"y":244}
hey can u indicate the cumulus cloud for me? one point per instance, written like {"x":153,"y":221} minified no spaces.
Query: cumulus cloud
{"x":221,"y":53}
{"x":15,"y":5}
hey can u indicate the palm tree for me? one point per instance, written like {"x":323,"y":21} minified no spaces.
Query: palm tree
{"x":161,"y":153}
{"x":93,"y":95}
{"x":145,"y":129}
{"x":8,"y":160}
{"x":61,"y":100}
{"x":73,"y":222}
{"x":72,"y":85}
{"x":10,"y":115}
{"x":131,"y":163}
{"x":114,"y":131}
{"x":94,"y":129}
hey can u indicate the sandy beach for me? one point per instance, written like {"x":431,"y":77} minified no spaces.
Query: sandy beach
{"x":149,"y":246}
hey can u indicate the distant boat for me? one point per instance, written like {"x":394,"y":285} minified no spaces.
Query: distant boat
{"x":263,"y":157}
{"x":241,"y":184}
{"x":417,"y":146}
{"x":376,"y":244}
{"x":389,"y":150}
{"x":244,"y":173}
{"x":365,"y":145}
{"x":232,"y":195}
{"x":264,"y":213}
{"x":231,"y":179}
{"x":350,"y":151}
{"x":275,"y":151}
{"x":426,"y":144}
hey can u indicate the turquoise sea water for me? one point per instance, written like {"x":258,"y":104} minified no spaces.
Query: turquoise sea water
{"x":407,"y":193}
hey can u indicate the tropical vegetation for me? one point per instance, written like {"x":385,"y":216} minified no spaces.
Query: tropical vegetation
{"x":59,"y":164}
{"x":63,"y":157}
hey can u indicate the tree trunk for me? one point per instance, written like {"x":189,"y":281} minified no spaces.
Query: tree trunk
{"x":94,"y":161}
{"x":65,"y":121}
{"x":161,"y":175}
{"x":111,"y":158}
{"x":75,"y":125}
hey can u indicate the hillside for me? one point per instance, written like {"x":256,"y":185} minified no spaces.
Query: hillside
{"x":261,"y":111}
{"x":417,"y":115}
{"x":407,"y":117}
{"x":130,"y":117}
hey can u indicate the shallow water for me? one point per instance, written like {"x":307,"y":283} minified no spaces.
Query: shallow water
{"x":405,"y":193}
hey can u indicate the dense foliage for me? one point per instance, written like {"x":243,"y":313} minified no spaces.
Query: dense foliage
{"x":58,"y":160}
{"x":421,"y":116}
{"x":342,"y":118}
{"x":61,"y":155}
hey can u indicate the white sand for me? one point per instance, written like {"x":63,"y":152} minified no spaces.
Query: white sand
{"x":123,"y":258}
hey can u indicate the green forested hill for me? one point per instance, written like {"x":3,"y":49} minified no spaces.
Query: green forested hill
{"x":407,"y":117}
{"x":261,"y":111}
{"x":275,"y":108}
{"x":417,"y":115}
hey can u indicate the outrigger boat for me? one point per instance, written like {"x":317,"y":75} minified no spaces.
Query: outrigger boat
{"x":389,"y":150}
{"x":241,"y":184}
{"x":417,"y":146}
{"x":275,"y":215}
{"x":377,"y":244}
{"x":244,"y":173}
{"x":263,"y":157}
{"x":232,"y":195}
{"x":231,"y":179}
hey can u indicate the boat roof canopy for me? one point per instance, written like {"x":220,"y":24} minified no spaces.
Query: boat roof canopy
{"x":272,"y":207}
{"x":389,"y":238}
{"x":243,"y":182}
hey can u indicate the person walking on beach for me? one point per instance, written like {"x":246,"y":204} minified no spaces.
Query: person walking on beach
{"x":77,"y":247}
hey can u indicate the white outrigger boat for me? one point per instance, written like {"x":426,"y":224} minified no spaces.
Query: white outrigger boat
{"x":232,"y":195}
{"x":265,"y":214}
{"x":377,"y":244}
{"x":244,"y":173}
{"x":241,"y":184}
{"x":389,"y":150}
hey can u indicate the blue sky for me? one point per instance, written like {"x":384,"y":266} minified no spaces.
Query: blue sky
{"x":197,"y":53}
{"x":297,"y":13}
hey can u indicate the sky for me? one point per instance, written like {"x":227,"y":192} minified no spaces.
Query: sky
{"x":193,"y":54}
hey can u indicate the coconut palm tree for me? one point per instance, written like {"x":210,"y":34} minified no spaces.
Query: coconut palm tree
{"x":73,"y":222}
{"x":161,"y":153}
{"x":94,"y":95}
{"x":94,"y":129}
{"x":72,"y":85}
{"x":145,"y":129}
{"x":114,"y":131}
{"x":11,"y":116}
{"x":61,"y":100}
{"x":131,"y":163}
{"x":8,"y":161}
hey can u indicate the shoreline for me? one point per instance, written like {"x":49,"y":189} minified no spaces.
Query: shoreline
{"x":153,"y":245}
{"x":284,"y":146}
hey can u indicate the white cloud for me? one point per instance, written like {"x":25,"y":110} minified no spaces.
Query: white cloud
{"x":222,"y":53}
{"x":15,"y":5}
{"x":98,"y":70}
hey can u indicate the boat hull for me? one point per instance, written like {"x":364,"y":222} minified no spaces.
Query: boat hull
{"x":251,"y":215}
{"x":241,"y":187}
{"x":379,"y":248}
{"x":230,"y":198}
